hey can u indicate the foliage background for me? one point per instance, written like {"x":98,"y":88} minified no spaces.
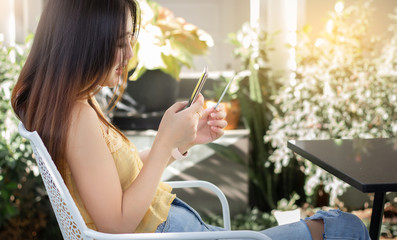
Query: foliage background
{"x":255,"y":91}
{"x":24,"y":208}
{"x":338,"y":92}
{"x":343,"y":88}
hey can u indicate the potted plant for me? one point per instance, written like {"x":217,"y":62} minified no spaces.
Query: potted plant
{"x":165,"y":44}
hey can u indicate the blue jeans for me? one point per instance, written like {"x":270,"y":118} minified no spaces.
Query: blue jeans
{"x":337,"y":224}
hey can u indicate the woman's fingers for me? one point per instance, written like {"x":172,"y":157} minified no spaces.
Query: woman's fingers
{"x":197,"y":107}
{"x":218,"y":123}
{"x":218,"y":115}
{"x":178,"y":106}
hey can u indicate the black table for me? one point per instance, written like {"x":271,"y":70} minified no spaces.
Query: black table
{"x":370,"y":165}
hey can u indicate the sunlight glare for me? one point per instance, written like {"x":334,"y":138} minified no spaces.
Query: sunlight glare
{"x":330,"y":26}
{"x":339,"y":6}
{"x":319,"y":42}
{"x":292,"y":79}
{"x":254,"y":12}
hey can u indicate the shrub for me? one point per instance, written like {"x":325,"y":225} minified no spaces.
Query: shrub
{"x":337,"y":93}
{"x":23,"y":214}
{"x":257,"y":82}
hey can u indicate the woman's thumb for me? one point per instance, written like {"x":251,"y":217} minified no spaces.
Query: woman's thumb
{"x":178,"y":106}
{"x":197,"y":106}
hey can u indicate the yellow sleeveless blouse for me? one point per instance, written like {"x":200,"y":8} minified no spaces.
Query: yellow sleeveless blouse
{"x":128,"y":164}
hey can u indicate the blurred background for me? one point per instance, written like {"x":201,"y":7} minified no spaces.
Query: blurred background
{"x":18,"y":18}
{"x":307,"y":69}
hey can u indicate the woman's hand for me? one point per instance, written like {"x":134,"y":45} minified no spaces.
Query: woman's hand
{"x":179,"y":126}
{"x":211,"y":125}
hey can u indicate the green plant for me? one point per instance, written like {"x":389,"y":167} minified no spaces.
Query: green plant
{"x":337,"y":93}
{"x":217,"y":88}
{"x":12,"y":147}
{"x":266,"y":187}
{"x":251,"y":219}
{"x":24,"y":208}
{"x":287,"y":205}
{"x":166,"y":42}
{"x":387,"y":64}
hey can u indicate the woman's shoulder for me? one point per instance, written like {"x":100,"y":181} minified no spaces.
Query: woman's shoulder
{"x":84,"y":120}
{"x":82,"y":112}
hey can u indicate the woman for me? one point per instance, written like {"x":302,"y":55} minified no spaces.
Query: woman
{"x":81,"y":46}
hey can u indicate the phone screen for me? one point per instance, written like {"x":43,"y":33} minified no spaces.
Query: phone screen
{"x":198,"y":87}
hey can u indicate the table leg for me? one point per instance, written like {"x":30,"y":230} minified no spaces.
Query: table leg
{"x":377,"y":215}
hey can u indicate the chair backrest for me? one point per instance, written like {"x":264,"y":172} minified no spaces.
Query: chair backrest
{"x":68,"y":216}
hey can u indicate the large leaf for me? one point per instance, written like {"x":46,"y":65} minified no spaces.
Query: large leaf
{"x":172,"y":66}
{"x":227,"y":152}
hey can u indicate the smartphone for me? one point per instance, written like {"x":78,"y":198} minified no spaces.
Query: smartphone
{"x":198,"y":87}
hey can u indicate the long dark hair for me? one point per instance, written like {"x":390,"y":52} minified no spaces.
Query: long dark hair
{"x":73,"y":51}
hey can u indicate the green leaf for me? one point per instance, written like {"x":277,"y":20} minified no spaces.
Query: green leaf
{"x":255,"y":88}
{"x":11,"y":186}
{"x":138,"y":72}
{"x":227,"y":152}
{"x":172,"y":66}
{"x":10,"y":210}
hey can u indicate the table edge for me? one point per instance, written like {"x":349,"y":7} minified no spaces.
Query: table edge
{"x":351,"y":181}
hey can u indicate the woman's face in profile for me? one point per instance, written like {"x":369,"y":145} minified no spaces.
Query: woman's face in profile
{"x":124,"y":44}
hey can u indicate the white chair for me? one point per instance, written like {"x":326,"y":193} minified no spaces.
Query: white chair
{"x":73,"y":226}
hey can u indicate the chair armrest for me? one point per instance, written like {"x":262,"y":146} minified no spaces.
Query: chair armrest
{"x":241,"y":234}
{"x":211,"y":187}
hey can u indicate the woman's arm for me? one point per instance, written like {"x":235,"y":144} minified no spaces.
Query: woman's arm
{"x":97,"y":180}
{"x":144,"y":155}
{"x":95,"y":173}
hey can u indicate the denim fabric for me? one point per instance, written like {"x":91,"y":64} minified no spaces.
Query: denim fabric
{"x":337,"y":225}
{"x":183,"y":218}
{"x":292,"y":231}
{"x":341,"y":225}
